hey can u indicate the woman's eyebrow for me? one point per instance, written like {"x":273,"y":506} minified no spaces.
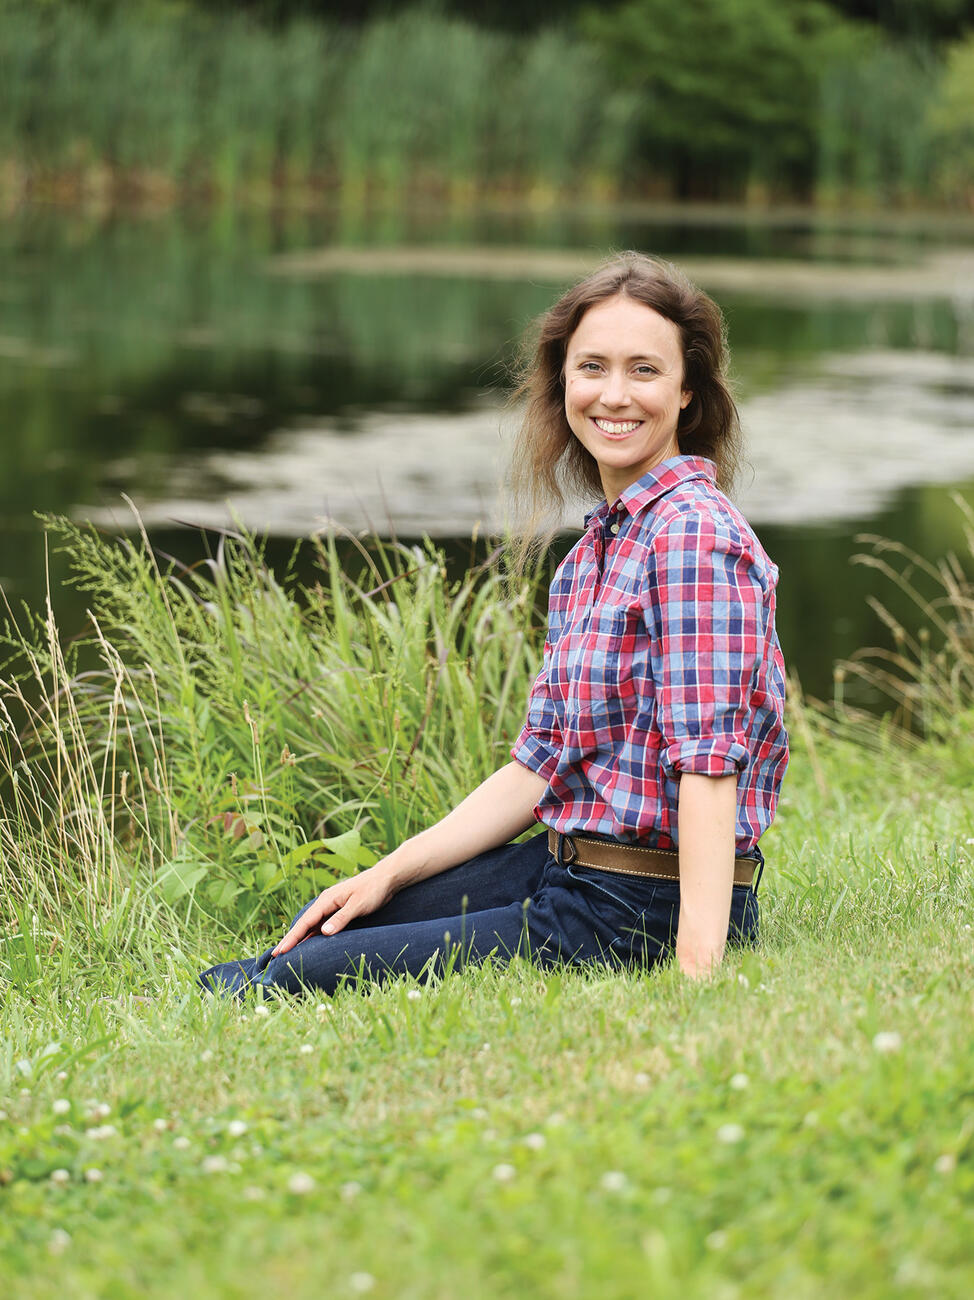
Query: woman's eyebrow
{"x":639,"y":356}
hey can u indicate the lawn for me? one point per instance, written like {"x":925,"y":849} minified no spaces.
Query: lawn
{"x":803,"y":1124}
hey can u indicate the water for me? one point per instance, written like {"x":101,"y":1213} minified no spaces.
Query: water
{"x":183,"y":360}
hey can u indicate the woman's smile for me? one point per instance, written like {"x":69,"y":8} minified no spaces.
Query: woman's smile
{"x":616,"y":428}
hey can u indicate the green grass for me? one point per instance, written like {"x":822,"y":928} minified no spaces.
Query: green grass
{"x":803,"y":1124}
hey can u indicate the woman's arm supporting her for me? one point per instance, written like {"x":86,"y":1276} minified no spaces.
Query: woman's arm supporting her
{"x":500,"y":808}
{"x":707,"y":819}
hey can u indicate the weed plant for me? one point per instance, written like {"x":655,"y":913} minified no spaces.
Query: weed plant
{"x":801,"y":1123}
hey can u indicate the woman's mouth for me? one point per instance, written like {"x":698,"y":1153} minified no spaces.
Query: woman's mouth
{"x":615,"y":428}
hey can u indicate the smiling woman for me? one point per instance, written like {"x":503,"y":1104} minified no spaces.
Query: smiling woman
{"x":653,"y":747}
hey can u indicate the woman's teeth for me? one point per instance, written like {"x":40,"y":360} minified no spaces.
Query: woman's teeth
{"x":617,"y":426}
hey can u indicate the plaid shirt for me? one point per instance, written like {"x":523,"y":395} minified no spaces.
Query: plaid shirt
{"x":661,"y":658}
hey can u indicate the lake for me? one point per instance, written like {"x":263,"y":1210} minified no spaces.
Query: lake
{"x":350,"y":369}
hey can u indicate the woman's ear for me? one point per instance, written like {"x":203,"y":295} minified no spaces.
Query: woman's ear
{"x":686,"y":397}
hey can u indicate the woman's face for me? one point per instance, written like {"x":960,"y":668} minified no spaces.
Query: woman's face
{"x":624,"y":389}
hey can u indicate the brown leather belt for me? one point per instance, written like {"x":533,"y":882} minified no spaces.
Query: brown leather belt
{"x":632,"y":859}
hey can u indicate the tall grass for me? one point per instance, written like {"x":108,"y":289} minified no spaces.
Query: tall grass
{"x":173,"y":101}
{"x":875,"y":139}
{"x":411,"y":101}
{"x":235,"y":739}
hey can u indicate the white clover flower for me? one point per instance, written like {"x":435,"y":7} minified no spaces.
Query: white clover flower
{"x":945,"y":1164}
{"x":743,"y":980}
{"x":361,"y":1282}
{"x":261,"y":1010}
{"x":59,"y":1241}
{"x":215,"y":1165}
{"x":206,"y":1056}
{"x":535,"y":1141}
{"x":236,"y":1128}
{"x":254,"y":1193}
{"x":515,"y":1002}
{"x":181,"y":1143}
{"x":61,"y":1106}
{"x":99,"y":1133}
{"x":348,"y":1191}
{"x":63,"y":1130}
{"x":730,"y":1133}
{"x":613,"y":1180}
{"x":61,"y":1076}
{"x":160,"y":1125}
{"x":100,"y":1110}
{"x":306,"y":1049}
{"x":59,"y":1177}
{"x":504,"y":1173}
{"x":479,"y":1112}
{"x":300,"y":1184}
{"x":739,"y":1082}
{"x":641,"y":1079}
{"x":414,"y":995}
{"x":887,"y":1041}
{"x":3,"y":1116}
{"x":716,"y":1240}
{"x":93,"y":1175}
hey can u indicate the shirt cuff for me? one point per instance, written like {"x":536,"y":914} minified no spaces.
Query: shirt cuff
{"x":533,"y":753}
{"x":716,"y":756}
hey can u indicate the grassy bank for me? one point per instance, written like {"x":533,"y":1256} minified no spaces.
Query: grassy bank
{"x":162,"y":102}
{"x":802,"y":1122}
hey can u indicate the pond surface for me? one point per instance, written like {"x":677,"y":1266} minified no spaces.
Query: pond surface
{"x":324,"y":368}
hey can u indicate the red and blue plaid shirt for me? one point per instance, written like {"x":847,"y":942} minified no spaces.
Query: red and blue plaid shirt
{"x":661,"y":658}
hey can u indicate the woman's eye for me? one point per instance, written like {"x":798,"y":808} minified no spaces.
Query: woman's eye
{"x":645,"y":370}
{"x":589,"y":366}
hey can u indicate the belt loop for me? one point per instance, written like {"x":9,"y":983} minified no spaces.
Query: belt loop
{"x":563,"y":859}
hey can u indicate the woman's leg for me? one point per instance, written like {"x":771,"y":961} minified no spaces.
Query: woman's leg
{"x":498,"y":879}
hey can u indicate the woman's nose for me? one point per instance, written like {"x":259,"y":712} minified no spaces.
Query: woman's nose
{"x":615,"y":390}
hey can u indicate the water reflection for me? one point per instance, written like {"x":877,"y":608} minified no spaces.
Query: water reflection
{"x":161,"y":358}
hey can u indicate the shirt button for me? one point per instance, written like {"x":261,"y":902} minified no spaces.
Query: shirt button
{"x":613,"y":528}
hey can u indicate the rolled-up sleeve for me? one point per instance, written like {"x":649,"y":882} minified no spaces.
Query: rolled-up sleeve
{"x":539,"y":745}
{"x":705,"y":611}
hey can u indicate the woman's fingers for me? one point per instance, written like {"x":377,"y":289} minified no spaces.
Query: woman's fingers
{"x":307,"y":923}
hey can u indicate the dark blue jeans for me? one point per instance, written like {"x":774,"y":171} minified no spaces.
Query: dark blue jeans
{"x":513,"y":901}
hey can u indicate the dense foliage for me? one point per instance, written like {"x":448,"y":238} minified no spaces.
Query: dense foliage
{"x":725,"y":99}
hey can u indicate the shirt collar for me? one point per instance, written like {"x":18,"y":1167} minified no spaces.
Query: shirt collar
{"x":655,"y":483}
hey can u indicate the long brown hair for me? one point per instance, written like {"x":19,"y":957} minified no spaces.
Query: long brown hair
{"x":548,"y":463}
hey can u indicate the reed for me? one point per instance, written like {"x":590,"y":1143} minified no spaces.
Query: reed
{"x":172,"y":102}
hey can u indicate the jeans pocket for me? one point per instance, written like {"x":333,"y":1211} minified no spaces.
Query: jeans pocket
{"x":632,"y":893}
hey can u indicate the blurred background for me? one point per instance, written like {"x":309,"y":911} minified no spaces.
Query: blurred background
{"x":280,"y":255}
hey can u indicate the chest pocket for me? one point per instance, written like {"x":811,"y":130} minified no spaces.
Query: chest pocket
{"x":602,"y":653}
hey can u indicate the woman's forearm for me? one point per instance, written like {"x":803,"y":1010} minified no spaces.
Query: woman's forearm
{"x":500,"y":808}
{"x":707,"y":818}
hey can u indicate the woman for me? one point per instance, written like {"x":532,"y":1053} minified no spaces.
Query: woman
{"x":654,"y":745}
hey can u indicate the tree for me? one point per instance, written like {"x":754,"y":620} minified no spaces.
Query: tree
{"x":728,"y":88}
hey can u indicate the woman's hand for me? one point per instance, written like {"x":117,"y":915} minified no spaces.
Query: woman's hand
{"x":340,"y":903}
{"x":499,"y":809}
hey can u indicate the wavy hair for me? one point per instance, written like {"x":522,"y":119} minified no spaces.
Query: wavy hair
{"x":548,"y":463}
